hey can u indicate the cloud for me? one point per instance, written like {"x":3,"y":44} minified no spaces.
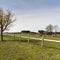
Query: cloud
{"x":37,"y":19}
{"x":33,"y":14}
{"x":29,"y":4}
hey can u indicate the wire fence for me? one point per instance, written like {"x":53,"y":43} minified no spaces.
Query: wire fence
{"x":32,"y":38}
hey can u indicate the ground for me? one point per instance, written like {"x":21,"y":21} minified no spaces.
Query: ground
{"x":20,"y":49}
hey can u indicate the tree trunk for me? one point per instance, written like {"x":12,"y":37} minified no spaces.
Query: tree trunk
{"x":55,"y":33}
{"x":1,"y":35}
{"x":1,"y":31}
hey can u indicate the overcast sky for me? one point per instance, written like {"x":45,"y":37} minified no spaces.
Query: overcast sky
{"x":33,"y":15}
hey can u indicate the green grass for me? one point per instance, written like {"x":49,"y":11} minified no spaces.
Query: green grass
{"x":51,"y":37}
{"x":20,"y":49}
{"x":16,"y":50}
{"x":39,"y":36}
{"x":36,"y":36}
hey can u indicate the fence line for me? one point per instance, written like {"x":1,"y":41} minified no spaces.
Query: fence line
{"x":41,"y":39}
{"x":28,"y":37}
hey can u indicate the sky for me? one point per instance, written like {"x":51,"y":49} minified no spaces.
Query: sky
{"x":33,"y":15}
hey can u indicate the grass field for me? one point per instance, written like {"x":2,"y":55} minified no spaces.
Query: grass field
{"x":37,"y":36}
{"x":16,"y":50}
{"x":22,"y":50}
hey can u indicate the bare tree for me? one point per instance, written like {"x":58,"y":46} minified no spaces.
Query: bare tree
{"x":49,"y":28}
{"x":56,"y":28}
{"x":6,"y":19}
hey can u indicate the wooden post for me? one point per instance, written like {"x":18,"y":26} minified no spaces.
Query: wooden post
{"x":14,"y":36}
{"x":20,"y":37}
{"x":42,"y":41}
{"x":28,"y":37}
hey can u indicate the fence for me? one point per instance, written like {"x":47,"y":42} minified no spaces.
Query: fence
{"x":30,"y":38}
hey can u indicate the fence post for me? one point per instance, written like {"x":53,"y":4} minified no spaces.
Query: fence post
{"x":20,"y":37}
{"x":14,"y":36}
{"x":42,"y":41}
{"x":28,"y":37}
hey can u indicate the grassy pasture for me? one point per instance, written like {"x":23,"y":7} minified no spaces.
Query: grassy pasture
{"x":16,"y":50}
{"x":11,"y":49}
{"x":39,"y":36}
